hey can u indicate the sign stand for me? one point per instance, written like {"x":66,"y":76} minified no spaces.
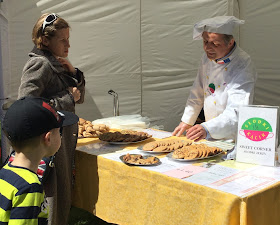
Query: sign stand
{"x":257,"y":135}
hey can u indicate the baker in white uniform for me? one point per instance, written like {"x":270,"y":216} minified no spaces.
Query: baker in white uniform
{"x":225,"y":80}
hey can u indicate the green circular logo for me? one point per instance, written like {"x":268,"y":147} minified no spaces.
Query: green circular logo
{"x":256,"y":129}
{"x":212,"y":87}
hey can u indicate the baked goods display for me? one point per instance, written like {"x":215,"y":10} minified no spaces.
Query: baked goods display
{"x":166,"y":145}
{"x":196,"y":151}
{"x":87,"y":129}
{"x":137,"y":159}
{"x":124,"y":136}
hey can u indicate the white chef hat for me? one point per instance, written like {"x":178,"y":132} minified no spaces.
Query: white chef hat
{"x":219,"y":24}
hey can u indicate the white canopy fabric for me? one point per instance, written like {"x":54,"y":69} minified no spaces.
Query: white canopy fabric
{"x":142,"y":49}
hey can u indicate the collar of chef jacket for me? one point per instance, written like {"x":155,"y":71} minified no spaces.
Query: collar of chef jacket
{"x":227,"y":58}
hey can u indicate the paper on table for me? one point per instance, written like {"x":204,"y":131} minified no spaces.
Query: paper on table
{"x":242,"y":183}
{"x":158,"y":134}
{"x":164,"y":166}
{"x":266,"y":171}
{"x":185,"y":171}
{"x":213,"y":174}
{"x":237,"y":165}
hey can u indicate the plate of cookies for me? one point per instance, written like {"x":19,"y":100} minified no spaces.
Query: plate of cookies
{"x":164,"y":146}
{"x":140,"y":160}
{"x":124,"y":137}
{"x":195,"y":152}
{"x":89,"y":130}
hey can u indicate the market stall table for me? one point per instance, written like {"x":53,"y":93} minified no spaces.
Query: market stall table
{"x":135,"y":195}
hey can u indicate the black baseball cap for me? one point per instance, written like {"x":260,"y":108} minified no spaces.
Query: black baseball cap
{"x":29,"y":117}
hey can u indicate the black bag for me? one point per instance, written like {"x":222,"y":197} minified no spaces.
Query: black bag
{"x":46,"y":164}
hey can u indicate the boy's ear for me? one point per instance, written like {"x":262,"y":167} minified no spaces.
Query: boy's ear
{"x":47,"y":138}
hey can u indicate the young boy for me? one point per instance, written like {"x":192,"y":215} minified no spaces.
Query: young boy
{"x":33,"y":128}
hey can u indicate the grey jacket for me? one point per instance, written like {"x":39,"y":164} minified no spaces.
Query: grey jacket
{"x":44,"y":76}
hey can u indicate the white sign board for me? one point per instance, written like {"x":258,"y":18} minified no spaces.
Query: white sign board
{"x":257,"y":135}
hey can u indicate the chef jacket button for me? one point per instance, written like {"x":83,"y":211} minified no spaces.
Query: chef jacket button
{"x":226,"y":69}
{"x":207,"y":77}
{"x":215,"y":102}
{"x":219,"y":86}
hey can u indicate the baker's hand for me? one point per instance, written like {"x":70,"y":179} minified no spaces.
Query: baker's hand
{"x":75,"y":92}
{"x":179,"y":130}
{"x":67,"y":65}
{"x":196,"y":133}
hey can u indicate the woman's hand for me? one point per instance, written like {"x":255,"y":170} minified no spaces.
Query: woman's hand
{"x":75,"y":93}
{"x":67,"y":65}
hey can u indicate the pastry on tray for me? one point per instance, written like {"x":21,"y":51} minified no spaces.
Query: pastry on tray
{"x":168,"y":145}
{"x":196,"y":151}
{"x":124,"y":136}
{"x":138,"y":159}
{"x":87,"y":129}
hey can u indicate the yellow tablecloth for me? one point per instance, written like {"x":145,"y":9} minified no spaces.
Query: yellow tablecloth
{"x":129,"y":195}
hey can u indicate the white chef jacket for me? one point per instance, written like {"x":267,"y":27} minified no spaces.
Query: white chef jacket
{"x":220,"y":88}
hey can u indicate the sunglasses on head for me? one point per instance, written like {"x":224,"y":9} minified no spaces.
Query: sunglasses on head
{"x":49,"y":20}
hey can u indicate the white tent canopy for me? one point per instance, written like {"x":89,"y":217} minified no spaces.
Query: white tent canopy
{"x":142,"y":49}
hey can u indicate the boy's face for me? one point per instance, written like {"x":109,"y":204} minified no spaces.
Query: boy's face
{"x":55,"y":141}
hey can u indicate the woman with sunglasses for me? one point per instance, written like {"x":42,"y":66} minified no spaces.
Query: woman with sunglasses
{"x":49,"y":74}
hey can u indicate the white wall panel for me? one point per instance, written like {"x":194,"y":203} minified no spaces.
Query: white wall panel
{"x":22,"y":16}
{"x":5,"y":53}
{"x":260,"y":38}
{"x":126,"y":85}
{"x":109,"y":56}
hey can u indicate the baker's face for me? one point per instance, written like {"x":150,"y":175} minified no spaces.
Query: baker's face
{"x":215,"y":46}
{"x":59,"y":44}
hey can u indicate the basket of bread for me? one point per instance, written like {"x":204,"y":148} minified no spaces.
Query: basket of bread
{"x":87,"y":129}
